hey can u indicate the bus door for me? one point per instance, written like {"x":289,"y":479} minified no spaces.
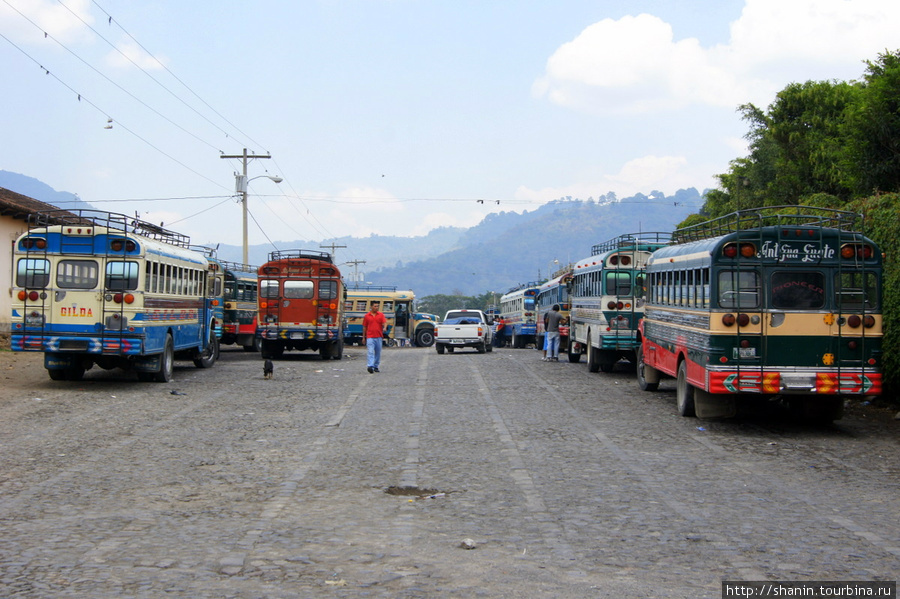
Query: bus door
{"x":119,"y":281}
{"x":401,"y":320}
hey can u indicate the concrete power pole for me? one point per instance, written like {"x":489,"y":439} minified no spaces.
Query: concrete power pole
{"x":242,"y":188}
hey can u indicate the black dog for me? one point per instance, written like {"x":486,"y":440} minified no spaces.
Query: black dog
{"x":268,"y":369}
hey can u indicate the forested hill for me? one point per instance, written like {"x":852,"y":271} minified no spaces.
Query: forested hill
{"x":509,"y":249}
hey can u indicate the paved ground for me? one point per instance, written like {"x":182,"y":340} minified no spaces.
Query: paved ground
{"x":461,"y":475}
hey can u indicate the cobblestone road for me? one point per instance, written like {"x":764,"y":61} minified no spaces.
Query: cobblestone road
{"x":567,"y":484}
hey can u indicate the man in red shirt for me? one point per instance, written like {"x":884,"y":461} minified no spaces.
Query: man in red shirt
{"x":374,"y":324}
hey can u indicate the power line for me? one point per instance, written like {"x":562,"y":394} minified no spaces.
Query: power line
{"x":106,"y":114}
{"x":143,"y":70}
{"x":112,"y":20}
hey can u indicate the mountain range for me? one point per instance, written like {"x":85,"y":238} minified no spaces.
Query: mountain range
{"x":505,"y":250}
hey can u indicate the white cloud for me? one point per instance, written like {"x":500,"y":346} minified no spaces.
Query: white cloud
{"x":49,"y":16}
{"x":641,"y":175}
{"x":637,"y":65}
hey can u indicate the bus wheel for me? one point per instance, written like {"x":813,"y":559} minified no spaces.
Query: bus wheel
{"x":606,"y":364}
{"x":593,"y":356}
{"x":208,"y":356}
{"x":254,"y":347}
{"x":574,"y":356}
{"x":166,"y":362}
{"x":684,"y":392}
{"x":271,"y":349}
{"x":425,"y":338}
{"x":57,"y":374}
{"x":515,"y":340}
{"x":338,"y":349}
{"x":643,"y":371}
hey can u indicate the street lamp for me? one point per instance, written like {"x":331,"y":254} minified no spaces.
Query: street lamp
{"x":241,"y":182}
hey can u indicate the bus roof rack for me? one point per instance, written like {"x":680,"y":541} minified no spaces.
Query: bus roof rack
{"x":632,"y":241}
{"x":109,"y":220}
{"x":528,"y":285}
{"x":299,"y":254}
{"x":237,"y":266}
{"x":755,"y":218}
{"x":358,"y":287}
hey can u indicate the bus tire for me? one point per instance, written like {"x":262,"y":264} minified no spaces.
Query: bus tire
{"x":607,"y":364}
{"x":208,"y":357}
{"x":684,"y":392}
{"x":57,"y":374}
{"x":574,"y":356}
{"x":440,"y":348}
{"x":270,"y":349}
{"x":166,"y":362}
{"x":338,"y":349}
{"x":643,"y":371}
{"x":593,"y":356}
{"x":514,"y":340}
{"x":253,"y":347}
{"x":425,"y":338}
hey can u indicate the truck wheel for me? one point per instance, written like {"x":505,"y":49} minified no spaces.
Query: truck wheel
{"x":481,"y":348}
{"x":439,"y":348}
{"x":425,"y":338}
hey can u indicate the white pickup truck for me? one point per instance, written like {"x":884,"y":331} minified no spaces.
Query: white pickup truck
{"x":464,"y":328}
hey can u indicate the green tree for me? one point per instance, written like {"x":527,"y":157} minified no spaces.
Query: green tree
{"x":873,"y":127}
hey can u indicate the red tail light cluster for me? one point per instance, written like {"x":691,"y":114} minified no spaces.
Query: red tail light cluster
{"x":118,"y":244}
{"x":123,"y":297}
{"x":746,"y":250}
{"x":34,"y":243}
{"x":729,"y":320}
{"x":31,"y":296}
{"x":859,"y":251}
{"x":854,"y":321}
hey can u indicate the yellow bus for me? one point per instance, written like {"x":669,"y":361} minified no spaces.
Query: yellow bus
{"x":403,"y":324}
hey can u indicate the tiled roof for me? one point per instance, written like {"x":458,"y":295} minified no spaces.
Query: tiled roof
{"x":15,"y":205}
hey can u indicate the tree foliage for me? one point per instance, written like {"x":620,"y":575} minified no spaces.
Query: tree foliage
{"x":829,"y":144}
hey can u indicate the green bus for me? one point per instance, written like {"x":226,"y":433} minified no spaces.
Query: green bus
{"x":777,"y":303}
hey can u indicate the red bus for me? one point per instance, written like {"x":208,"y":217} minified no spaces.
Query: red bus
{"x":301,"y":304}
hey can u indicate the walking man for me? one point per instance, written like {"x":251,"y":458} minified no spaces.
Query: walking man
{"x":553,"y":320}
{"x":374,"y":324}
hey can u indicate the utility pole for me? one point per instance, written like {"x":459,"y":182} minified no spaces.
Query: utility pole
{"x":241,"y":187}
{"x":355,"y":264}
{"x":333,"y":247}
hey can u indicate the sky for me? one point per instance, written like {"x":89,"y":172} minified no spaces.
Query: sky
{"x":393,"y":117}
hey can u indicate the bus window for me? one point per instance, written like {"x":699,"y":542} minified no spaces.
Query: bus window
{"x":33,"y":273}
{"x":856,"y":290}
{"x":268,"y":288}
{"x":798,"y":290}
{"x":387,"y":306}
{"x":298,"y":289}
{"x":738,"y":289}
{"x":327,"y":290}
{"x":618,"y":283}
{"x":121,"y":276}
{"x":77,"y":274}
{"x":361,"y":306}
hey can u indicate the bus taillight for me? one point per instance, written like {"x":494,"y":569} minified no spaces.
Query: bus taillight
{"x":34,"y":243}
{"x":869,"y":321}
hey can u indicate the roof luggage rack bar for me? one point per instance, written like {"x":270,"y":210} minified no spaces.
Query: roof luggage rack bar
{"x":109,"y":220}
{"x":237,"y":266}
{"x":357,"y":287}
{"x":756,"y":218}
{"x":632,"y":241}
{"x":300,"y":254}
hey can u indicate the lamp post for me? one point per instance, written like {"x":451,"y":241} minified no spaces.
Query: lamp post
{"x":241,"y":182}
